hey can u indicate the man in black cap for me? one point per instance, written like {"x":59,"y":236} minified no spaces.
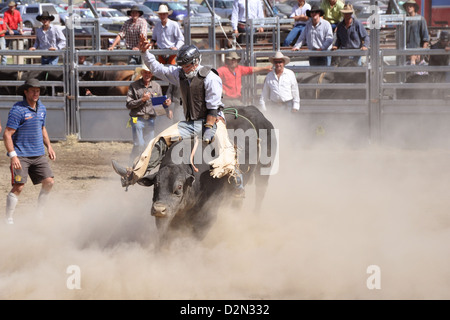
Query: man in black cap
{"x":131,"y":31}
{"x":25,"y":139}
{"x":317,"y":34}
{"x":48,"y":37}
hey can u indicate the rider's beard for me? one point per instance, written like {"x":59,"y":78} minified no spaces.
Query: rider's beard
{"x":191,"y":74}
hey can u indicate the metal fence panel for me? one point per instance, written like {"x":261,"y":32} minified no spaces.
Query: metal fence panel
{"x":56,"y":114}
{"x":103,"y":119}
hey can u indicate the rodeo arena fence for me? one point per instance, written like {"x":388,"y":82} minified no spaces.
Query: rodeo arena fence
{"x":373,"y":104}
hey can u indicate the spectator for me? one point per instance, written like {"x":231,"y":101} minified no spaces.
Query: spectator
{"x":351,"y":34}
{"x":441,"y":60}
{"x":48,"y":37}
{"x":131,"y":31}
{"x":3,"y":30}
{"x":142,"y":114}
{"x":280,"y":88}
{"x":318,"y":36}
{"x":300,"y":17}
{"x":239,"y":16}
{"x":231,"y":74}
{"x":332,"y":11}
{"x":25,"y":139}
{"x":13,"y":19}
{"x":167,"y":35}
{"x":82,"y":61}
{"x":416,"y":30}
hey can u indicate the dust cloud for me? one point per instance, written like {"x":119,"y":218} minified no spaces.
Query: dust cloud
{"x":330,"y":213}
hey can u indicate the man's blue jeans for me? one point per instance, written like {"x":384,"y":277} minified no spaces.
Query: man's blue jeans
{"x":318,"y":61}
{"x":143,"y":133}
{"x":293,"y":35}
{"x":53,"y":60}
{"x":189,"y":129}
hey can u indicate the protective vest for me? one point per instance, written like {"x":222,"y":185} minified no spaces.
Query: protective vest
{"x":193,"y":94}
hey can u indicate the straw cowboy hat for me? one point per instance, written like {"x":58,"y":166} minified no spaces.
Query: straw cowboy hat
{"x":135,"y":8}
{"x":142,"y":67}
{"x":314,"y":8}
{"x":348,"y":8}
{"x":30,"y":83}
{"x":279,"y":55}
{"x":232,"y":55}
{"x":163,"y":8}
{"x":416,"y":6}
{"x":45,"y":14}
{"x":12,"y":4}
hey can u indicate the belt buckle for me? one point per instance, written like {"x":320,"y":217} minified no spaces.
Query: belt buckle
{"x":146,"y":116}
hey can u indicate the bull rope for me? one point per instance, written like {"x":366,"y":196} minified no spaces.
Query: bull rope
{"x":235,"y":113}
{"x":194,"y":149}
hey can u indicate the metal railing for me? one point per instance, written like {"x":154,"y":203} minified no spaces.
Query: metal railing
{"x":384,"y":71}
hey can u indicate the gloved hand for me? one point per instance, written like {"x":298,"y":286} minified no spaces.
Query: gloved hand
{"x":208,"y":135}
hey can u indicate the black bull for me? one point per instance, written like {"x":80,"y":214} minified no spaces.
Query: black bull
{"x":184,"y":198}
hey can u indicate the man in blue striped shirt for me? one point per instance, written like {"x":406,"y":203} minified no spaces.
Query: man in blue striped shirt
{"x":25,"y":137}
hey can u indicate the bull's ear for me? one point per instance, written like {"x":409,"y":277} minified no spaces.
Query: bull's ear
{"x":147,"y":181}
{"x":190,"y":180}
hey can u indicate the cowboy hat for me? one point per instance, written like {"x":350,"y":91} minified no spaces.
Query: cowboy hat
{"x":12,"y":4}
{"x":135,"y":8}
{"x":30,"y":83}
{"x":348,"y":8}
{"x":314,"y":8}
{"x":45,"y":14}
{"x":279,"y":55}
{"x":163,"y":8}
{"x":142,"y":67}
{"x":232,"y":55}
{"x":414,"y":3}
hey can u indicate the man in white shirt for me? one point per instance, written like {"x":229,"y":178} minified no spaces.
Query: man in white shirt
{"x":167,"y":35}
{"x":280,"y":88}
{"x":300,"y":20}
{"x":239,"y":18}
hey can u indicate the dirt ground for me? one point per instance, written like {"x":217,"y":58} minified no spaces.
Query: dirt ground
{"x":337,"y":223}
{"x":79,"y":166}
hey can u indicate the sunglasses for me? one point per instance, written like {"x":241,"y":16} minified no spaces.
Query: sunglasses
{"x":277,"y":61}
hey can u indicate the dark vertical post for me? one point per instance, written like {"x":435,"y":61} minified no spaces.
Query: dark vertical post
{"x":374,"y":66}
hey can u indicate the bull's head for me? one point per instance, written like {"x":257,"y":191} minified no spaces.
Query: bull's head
{"x":171,"y":189}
